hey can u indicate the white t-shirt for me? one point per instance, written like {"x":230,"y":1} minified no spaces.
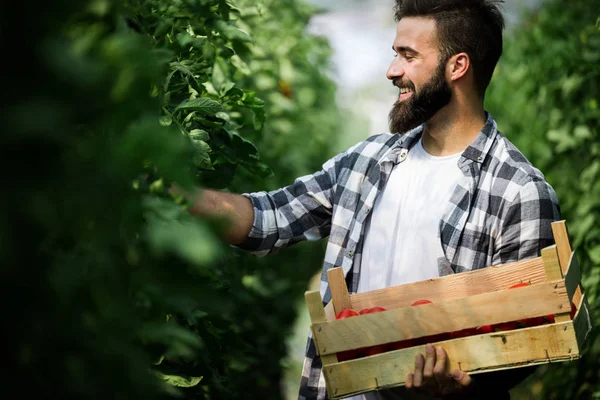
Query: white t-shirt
{"x":402,"y":243}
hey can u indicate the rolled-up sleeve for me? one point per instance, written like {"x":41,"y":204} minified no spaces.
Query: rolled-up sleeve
{"x":300,"y":211}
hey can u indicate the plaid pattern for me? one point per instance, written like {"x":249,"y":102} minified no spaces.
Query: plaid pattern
{"x":500,"y":212}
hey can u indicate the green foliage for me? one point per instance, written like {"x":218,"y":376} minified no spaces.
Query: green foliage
{"x":112,"y":290}
{"x":545,"y":95}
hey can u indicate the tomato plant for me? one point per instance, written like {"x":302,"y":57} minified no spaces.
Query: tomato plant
{"x":120,"y":291}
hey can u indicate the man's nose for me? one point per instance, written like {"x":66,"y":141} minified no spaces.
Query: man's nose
{"x":395,"y":70}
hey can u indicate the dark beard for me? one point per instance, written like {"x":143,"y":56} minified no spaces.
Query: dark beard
{"x":431,"y":98}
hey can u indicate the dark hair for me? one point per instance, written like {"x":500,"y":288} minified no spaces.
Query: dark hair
{"x":471,"y":26}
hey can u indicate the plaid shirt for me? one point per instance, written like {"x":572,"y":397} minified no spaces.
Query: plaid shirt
{"x":499,"y":212}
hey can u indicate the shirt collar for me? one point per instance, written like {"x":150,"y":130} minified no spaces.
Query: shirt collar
{"x":476,"y":151}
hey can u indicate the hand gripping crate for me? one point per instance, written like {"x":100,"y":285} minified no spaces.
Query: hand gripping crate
{"x":460,"y":301}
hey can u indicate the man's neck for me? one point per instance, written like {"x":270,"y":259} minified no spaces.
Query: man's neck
{"x":453,"y":129}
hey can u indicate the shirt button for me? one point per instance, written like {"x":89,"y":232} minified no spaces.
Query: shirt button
{"x":368,"y":210}
{"x":351,"y":254}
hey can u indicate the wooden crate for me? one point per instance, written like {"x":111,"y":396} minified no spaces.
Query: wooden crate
{"x":460,"y":301}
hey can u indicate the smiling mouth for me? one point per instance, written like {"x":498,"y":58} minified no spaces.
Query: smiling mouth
{"x":405,"y":93}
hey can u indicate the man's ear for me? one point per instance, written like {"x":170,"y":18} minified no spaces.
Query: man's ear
{"x":458,"y":66}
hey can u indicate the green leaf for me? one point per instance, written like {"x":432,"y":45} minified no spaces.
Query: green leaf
{"x":226,"y":88}
{"x":166,"y":120}
{"x":201,"y":104}
{"x":258,"y":168}
{"x":218,"y":74}
{"x":243,"y":148}
{"x":202,"y":160}
{"x":201,"y":145}
{"x":240,"y":65}
{"x":199,"y":134}
{"x":186,"y":40}
{"x":259,"y":118}
{"x":582,"y":132}
{"x":594,"y":254}
{"x":233,"y":33}
{"x":179,"y":381}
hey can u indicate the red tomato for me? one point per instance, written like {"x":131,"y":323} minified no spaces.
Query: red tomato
{"x":520,"y":284}
{"x":349,"y":354}
{"x":346,"y":313}
{"x":420,"y":302}
{"x":484,"y":329}
{"x":371,"y":310}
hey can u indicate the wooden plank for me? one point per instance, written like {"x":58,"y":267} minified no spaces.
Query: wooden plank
{"x":450,"y":287}
{"x":561,"y":238}
{"x":553,"y":272}
{"x":573,"y":278}
{"x":429,"y":319}
{"x":339,"y":289}
{"x":329,"y":311}
{"x":565,"y":253}
{"x":551,"y":263}
{"x":583,"y":322}
{"x":476,"y":354}
{"x":317,"y":314}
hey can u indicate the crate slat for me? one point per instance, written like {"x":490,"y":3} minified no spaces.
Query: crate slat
{"x":583,"y":321}
{"x":339,"y":289}
{"x":563,"y":246}
{"x":572,"y":278}
{"x":565,"y":255}
{"x":468,"y":312}
{"x":317,"y":314}
{"x":482,"y":353}
{"x":450,"y":287}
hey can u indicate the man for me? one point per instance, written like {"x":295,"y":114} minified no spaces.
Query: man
{"x":444,"y":193}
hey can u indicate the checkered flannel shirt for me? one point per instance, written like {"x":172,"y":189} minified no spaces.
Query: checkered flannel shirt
{"x":499,"y":212}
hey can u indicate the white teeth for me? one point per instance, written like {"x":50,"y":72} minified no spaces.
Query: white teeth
{"x":404,"y":90}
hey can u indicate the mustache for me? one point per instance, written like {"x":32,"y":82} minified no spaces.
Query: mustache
{"x":400,"y":84}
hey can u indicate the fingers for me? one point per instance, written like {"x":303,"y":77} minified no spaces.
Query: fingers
{"x":430,"y":361}
{"x":462,"y":378}
{"x":418,"y":375}
{"x":410,"y":381}
{"x":424,"y":366}
{"x":431,"y":374}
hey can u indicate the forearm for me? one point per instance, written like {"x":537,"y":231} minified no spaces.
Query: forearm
{"x":236,"y":210}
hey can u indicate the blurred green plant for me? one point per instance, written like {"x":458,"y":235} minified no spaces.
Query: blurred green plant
{"x":545,"y":95}
{"x":111,"y":288}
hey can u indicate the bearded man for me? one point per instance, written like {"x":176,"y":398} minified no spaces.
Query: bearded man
{"x":443,"y":193}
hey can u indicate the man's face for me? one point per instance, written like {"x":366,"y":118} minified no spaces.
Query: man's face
{"x":419,"y":75}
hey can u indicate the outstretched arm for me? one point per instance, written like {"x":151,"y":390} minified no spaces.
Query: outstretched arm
{"x":236,"y":209}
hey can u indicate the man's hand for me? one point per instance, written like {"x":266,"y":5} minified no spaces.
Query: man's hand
{"x":432,"y":375}
{"x":237,"y":210}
